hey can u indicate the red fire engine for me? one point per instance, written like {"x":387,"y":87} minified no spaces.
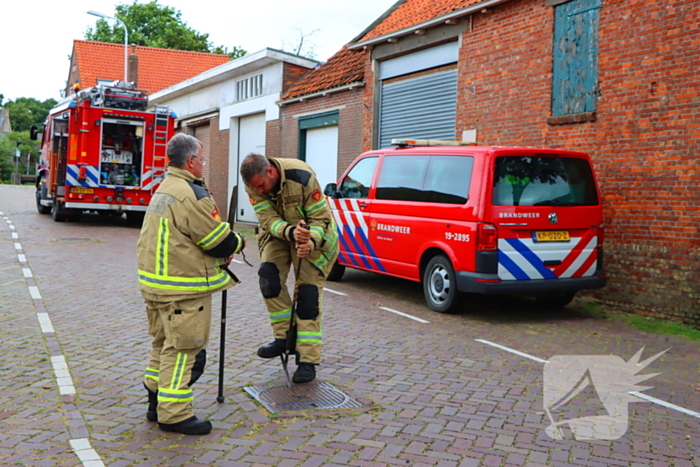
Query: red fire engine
{"x":102,"y":151}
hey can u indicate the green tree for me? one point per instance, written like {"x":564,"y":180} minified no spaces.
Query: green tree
{"x":157,"y":26}
{"x":27,"y":111}
{"x":8,"y":147}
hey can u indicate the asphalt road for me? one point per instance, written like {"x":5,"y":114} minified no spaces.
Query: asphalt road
{"x":466,"y":389}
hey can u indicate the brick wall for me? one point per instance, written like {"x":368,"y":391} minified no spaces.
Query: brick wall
{"x":645,"y":141}
{"x":291,"y":74}
{"x":272,"y":138}
{"x":217,"y":180}
{"x":349,"y":124}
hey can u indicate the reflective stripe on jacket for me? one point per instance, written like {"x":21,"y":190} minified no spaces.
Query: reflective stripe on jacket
{"x":300,"y":197}
{"x":181,"y":224}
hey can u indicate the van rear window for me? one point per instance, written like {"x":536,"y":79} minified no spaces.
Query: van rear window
{"x":543,"y":181}
{"x":430,"y":179}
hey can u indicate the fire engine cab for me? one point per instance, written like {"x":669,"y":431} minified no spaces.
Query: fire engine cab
{"x":102,"y":151}
{"x":461,"y":218}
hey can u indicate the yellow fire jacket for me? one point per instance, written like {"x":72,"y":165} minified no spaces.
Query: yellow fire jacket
{"x":183,"y":241}
{"x":300,"y":197}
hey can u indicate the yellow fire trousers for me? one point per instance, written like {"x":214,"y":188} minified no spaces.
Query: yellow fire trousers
{"x":277,"y":257}
{"x":180,"y":332}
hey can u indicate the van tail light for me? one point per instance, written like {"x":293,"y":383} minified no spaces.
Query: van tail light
{"x":486,"y":237}
{"x":601,"y":234}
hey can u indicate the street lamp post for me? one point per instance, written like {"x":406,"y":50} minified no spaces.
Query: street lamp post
{"x":126,"y":38}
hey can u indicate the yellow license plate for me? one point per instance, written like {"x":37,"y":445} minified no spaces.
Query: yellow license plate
{"x":86,"y":191}
{"x":552,"y":236}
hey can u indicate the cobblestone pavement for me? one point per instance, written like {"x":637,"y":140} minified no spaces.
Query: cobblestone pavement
{"x":74,"y":346}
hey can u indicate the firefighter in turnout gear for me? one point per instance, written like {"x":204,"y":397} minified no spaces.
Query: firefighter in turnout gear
{"x":183,"y":251}
{"x":286,"y":196}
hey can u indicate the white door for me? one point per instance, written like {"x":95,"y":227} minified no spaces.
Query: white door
{"x":251,"y":138}
{"x":322,"y":153}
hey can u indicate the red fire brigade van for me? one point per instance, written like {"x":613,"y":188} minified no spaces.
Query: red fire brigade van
{"x":102,"y":151}
{"x":474,"y":219}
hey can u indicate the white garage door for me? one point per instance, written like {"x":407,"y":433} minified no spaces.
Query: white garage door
{"x":251,"y":138}
{"x":322,"y":153}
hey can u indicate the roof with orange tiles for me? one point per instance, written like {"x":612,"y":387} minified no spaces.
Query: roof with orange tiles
{"x":347,"y":66}
{"x":412,"y":12}
{"x":157,"y":68}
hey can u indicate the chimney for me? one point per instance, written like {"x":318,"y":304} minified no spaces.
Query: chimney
{"x":133,"y":67}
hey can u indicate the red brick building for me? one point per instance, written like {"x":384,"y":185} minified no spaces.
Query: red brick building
{"x":614,"y":78}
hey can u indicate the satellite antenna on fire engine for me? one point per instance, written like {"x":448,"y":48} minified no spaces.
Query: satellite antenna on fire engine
{"x":126,"y":38}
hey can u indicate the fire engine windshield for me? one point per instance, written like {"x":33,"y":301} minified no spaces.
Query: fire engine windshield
{"x":546,"y":180}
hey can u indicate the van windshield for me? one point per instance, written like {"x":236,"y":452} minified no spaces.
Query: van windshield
{"x":543,"y":180}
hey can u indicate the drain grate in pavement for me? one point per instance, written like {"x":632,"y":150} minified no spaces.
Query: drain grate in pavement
{"x":312,"y":396}
{"x":77,"y":240}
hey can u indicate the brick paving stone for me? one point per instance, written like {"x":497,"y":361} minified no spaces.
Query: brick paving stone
{"x":314,"y":461}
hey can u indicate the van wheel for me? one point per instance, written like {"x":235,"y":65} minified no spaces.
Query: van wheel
{"x":40,"y":207}
{"x":559,"y":300}
{"x":336,"y":273}
{"x":440,"y":284}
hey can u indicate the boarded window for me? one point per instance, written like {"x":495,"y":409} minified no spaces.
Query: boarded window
{"x":575,"y":57}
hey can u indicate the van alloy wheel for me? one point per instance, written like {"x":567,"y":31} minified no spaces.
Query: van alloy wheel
{"x":439,"y":284}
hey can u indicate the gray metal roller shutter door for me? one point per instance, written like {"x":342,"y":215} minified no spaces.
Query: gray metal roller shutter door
{"x":421,"y":108}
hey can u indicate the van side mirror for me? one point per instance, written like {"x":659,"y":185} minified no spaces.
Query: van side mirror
{"x":331,"y":190}
{"x":33,"y":133}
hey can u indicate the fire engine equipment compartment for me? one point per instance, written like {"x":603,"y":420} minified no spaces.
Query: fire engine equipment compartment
{"x":121,"y":152}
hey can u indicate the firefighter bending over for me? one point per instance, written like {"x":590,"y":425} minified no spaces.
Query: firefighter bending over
{"x":286,"y":195}
{"x":183,"y":252}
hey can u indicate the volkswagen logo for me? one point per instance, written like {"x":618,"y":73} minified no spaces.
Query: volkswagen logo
{"x":553,"y":218}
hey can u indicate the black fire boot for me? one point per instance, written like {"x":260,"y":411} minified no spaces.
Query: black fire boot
{"x":152,"y":412}
{"x":306,"y":372}
{"x":190,"y":426}
{"x":273,"y":349}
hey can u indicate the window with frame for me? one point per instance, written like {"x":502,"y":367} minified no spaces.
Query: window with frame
{"x":429,"y":179}
{"x":357,"y":182}
{"x":575,"y":57}
{"x":249,"y":87}
{"x":543,"y":180}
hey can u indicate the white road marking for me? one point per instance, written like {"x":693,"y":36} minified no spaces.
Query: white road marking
{"x":665,"y":404}
{"x":507,"y":349}
{"x":404,"y":314}
{"x":34,"y":292}
{"x":45,"y":322}
{"x":645,"y":397}
{"x":333,"y":291}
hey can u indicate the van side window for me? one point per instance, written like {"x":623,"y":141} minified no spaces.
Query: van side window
{"x":430,"y":179}
{"x":357,"y":182}
{"x":543,"y":181}
{"x":448,"y":179}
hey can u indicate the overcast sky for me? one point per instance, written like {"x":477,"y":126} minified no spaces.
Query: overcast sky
{"x":36,"y":36}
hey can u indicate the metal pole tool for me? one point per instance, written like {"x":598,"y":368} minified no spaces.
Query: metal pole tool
{"x":292,"y":332}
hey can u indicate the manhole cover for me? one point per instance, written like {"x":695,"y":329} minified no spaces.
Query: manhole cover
{"x":301,"y":397}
